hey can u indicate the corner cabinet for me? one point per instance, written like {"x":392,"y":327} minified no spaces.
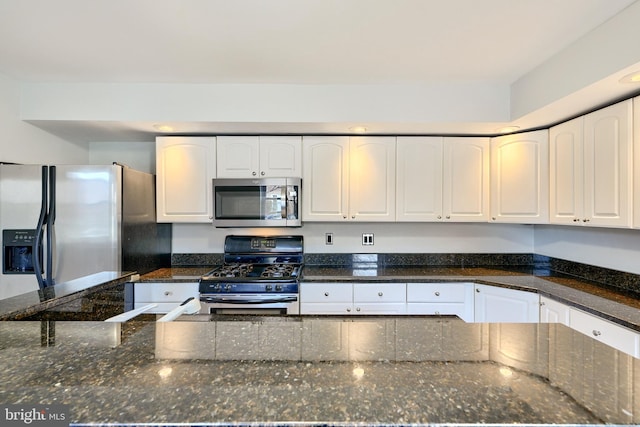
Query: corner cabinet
{"x":493,"y":304}
{"x":591,"y":168}
{"x":185,"y":168}
{"x":259,"y":156}
{"x":348,"y":178}
{"x":520,"y":178}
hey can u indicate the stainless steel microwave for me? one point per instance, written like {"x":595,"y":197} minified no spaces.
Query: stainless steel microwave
{"x":263,"y":202}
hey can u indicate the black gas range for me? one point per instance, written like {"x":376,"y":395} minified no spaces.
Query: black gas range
{"x":260,"y":274}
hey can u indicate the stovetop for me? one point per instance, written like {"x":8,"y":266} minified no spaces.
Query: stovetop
{"x":254,"y":272}
{"x":256,"y":264}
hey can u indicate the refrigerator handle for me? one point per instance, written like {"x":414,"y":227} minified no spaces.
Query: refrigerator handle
{"x":51,"y":220}
{"x":37,"y":267}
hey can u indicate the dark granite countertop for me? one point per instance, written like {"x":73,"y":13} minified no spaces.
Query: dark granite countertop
{"x":30,"y":303}
{"x":611,"y":304}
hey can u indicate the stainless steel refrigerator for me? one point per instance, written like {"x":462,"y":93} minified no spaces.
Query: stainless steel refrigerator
{"x":64,"y":222}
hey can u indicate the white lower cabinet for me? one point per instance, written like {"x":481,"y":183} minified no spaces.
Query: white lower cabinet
{"x":441,"y":299}
{"x":616,"y":336}
{"x":352,"y":298}
{"x":552,"y":311}
{"x":494,"y":304}
{"x":167,"y":295}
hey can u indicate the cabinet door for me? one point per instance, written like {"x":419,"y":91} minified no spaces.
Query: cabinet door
{"x":608,"y":163}
{"x":502,"y":305}
{"x":419,"y":179}
{"x":566,"y":166}
{"x":185,"y":167}
{"x":166,"y":295}
{"x":618,"y":337}
{"x":372,"y":178}
{"x":552,"y":311}
{"x":238,"y":156}
{"x":520,"y":178}
{"x":466,"y":179}
{"x":281,"y":156}
{"x":325,"y":179}
{"x":326,"y":298}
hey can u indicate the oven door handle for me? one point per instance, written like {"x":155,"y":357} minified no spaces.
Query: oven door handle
{"x":225,"y":300}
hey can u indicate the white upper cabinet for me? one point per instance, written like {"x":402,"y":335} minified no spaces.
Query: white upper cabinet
{"x":520,"y":178}
{"x":259,"y":156}
{"x":419,"y":168}
{"x":348,"y":178}
{"x":185,"y":168}
{"x":442,"y":179}
{"x":636,"y":162}
{"x":372,"y":178}
{"x":325,"y":180}
{"x":590,"y":168}
{"x":466,"y":179}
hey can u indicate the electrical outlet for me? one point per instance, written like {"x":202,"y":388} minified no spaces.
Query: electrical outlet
{"x":328,"y":238}
{"x":367,"y":239}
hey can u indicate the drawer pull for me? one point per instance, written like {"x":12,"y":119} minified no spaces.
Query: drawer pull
{"x":167,"y":293}
{"x":596,"y":333}
{"x":326,"y":294}
{"x":348,"y":310}
{"x":380,"y":294}
{"x":358,"y":309}
{"x":437,"y":294}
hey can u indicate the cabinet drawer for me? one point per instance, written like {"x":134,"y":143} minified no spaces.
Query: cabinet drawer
{"x":164,"y":292}
{"x":439,"y":292}
{"x":379,"y":292}
{"x":616,"y":336}
{"x":326,"y":292}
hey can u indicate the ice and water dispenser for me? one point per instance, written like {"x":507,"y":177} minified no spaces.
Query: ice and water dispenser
{"x":18,"y":247}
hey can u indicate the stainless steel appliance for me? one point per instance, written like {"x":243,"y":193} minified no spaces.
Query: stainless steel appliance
{"x":259,"y":275}
{"x":264,"y":202}
{"x":61,"y":223}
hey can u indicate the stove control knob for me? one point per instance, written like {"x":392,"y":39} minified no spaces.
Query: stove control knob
{"x":217,"y":288}
{"x":268,"y":288}
{"x":227,"y":287}
{"x":278,"y":288}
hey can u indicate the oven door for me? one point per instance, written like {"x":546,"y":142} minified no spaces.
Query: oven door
{"x":250,"y":304}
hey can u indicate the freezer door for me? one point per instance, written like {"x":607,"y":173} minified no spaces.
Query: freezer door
{"x":20,"y":200}
{"x":87,"y":228}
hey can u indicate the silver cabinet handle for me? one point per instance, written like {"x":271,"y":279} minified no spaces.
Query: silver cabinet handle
{"x":167,"y":293}
{"x":262,"y":173}
{"x":349,"y":310}
{"x":437,"y":294}
{"x":358,"y":309}
{"x":326,"y":294}
{"x":380,"y":294}
{"x":254,"y":173}
{"x":596,"y":333}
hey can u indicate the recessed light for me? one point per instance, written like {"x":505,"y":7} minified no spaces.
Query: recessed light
{"x":508,"y":129}
{"x":631,"y":78}
{"x":358,"y":129}
{"x":163,"y":128}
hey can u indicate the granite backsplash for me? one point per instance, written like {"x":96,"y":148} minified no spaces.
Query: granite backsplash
{"x":534,"y":264}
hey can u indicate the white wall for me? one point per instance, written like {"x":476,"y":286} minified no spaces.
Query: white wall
{"x":617,"y":249}
{"x":21,"y":142}
{"x":388,"y":238}
{"x":137,"y":155}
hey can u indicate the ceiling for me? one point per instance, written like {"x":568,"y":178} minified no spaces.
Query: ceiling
{"x":302,"y":42}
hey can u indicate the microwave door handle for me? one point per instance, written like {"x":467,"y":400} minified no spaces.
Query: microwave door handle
{"x":283,"y":202}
